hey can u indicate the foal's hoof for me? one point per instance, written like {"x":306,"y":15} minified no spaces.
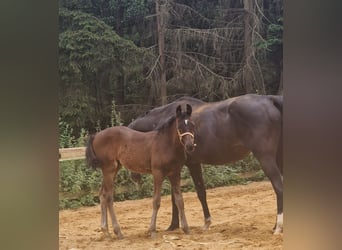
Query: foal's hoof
{"x":207,"y":223}
{"x":105,"y":232}
{"x":152,"y":234}
{"x":120,"y":236}
{"x":172,"y":227}
{"x":118,"y":233}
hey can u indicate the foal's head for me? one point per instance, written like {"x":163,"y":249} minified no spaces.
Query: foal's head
{"x":185,"y":128}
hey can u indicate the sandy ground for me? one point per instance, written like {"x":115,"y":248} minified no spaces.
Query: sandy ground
{"x":242,"y":218}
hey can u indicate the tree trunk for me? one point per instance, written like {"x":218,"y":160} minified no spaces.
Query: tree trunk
{"x":120,"y":86}
{"x":161,"y":46}
{"x":248,"y":67}
{"x":280,"y":89}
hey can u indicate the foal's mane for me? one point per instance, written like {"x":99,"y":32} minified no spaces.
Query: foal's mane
{"x":164,"y":126}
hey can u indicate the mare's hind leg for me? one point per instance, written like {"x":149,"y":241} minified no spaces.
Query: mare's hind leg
{"x":109,"y":174}
{"x":269,"y":165}
{"x":176,"y":190}
{"x":158,"y":178}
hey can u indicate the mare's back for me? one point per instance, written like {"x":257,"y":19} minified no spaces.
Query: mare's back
{"x":158,"y":116}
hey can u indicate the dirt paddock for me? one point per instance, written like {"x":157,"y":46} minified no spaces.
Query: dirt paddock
{"x":242,"y":218}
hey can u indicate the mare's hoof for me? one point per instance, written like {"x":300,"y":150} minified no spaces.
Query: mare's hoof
{"x":278,"y":231}
{"x":172,"y":227}
{"x":186,"y":230}
{"x":207,"y":223}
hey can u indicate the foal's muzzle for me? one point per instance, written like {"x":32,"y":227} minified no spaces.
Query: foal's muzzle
{"x":189,"y":144}
{"x":190,"y":148}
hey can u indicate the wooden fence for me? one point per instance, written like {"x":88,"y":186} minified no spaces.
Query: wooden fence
{"x":66,"y":154}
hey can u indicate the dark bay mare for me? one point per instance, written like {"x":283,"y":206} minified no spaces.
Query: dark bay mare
{"x":225,"y":132}
{"x":161,"y":152}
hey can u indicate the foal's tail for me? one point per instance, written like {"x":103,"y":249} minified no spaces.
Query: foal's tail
{"x":90,"y":154}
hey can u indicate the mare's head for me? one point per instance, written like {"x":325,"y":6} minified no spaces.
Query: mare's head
{"x":185,"y":128}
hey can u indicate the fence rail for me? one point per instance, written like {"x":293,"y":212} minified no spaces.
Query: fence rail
{"x":66,"y":154}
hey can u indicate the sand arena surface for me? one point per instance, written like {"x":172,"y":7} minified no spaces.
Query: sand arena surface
{"x":242,"y":218}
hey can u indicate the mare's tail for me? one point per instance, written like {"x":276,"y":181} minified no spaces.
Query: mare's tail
{"x":90,"y":154}
{"x":277,"y":102}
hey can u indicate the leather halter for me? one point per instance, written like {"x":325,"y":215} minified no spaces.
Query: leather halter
{"x":186,"y":133}
{"x":180,"y":136}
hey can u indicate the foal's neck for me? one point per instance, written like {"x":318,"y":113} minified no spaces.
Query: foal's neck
{"x":170,"y":135}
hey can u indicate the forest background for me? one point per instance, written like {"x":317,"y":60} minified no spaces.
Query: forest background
{"x":139,"y":54}
{"x":118,"y":59}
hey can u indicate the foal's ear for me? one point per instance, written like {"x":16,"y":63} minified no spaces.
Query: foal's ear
{"x":179,"y":111}
{"x":188,"y":109}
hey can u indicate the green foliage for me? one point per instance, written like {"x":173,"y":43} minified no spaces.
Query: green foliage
{"x":115,"y":116}
{"x":79,"y":184}
{"x":66,"y":139}
{"x":91,"y":58}
{"x":274,"y":36}
{"x":217,"y":176}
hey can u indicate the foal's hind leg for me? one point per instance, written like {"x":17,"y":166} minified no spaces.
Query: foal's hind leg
{"x":109,"y":174}
{"x":269,"y":165}
{"x":104,"y":217}
{"x":158,"y":178}
{"x":175,"y":185}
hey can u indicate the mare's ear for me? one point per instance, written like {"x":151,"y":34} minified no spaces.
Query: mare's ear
{"x":188,"y":109}
{"x":178,"y":111}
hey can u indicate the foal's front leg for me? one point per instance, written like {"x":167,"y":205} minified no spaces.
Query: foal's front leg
{"x":157,"y":183}
{"x":176,"y":190}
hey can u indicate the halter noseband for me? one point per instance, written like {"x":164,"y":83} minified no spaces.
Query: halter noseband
{"x":180,"y":136}
{"x":186,"y":133}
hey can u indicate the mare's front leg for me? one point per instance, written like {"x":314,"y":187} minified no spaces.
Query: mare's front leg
{"x":158,"y":178}
{"x":175,"y":215}
{"x":197,"y":178}
{"x":176,"y":190}
{"x":109,"y":174}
